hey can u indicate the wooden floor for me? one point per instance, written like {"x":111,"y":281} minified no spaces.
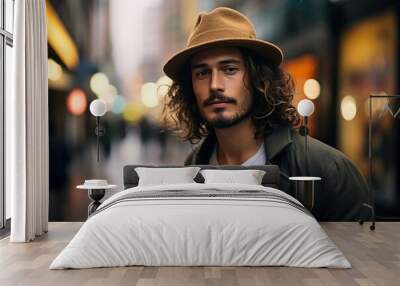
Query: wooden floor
{"x":374,"y":255}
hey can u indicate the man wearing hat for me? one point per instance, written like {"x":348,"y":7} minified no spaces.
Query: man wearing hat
{"x":230,"y":96}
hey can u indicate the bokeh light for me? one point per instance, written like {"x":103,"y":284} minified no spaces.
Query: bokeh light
{"x":99,"y":83}
{"x":108,"y":94}
{"x":163,"y":85}
{"x":118,"y":105}
{"x":76,"y":102}
{"x":133,"y":112}
{"x":112,"y":90}
{"x":54,"y":70}
{"x":348,"y":108}
{"x":149,"y":94}
{"x":312,"y":88}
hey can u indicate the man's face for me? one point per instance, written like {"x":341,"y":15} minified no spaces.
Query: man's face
{"x":218,"y":84}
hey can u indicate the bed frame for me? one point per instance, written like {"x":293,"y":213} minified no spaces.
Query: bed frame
{"x":270,"y":179}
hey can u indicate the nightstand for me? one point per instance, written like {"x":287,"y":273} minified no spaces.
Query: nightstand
{"x":305,"y":190}
{"x":96,"y":191}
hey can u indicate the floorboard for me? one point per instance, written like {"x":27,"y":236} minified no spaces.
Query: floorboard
{"x":374,"y":255}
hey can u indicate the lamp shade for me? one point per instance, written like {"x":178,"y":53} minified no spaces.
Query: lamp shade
{"x":98,"y":107}
{"x":305,"y":107}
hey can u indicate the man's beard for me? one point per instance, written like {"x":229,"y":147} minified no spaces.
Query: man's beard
{"x":220,"y":121}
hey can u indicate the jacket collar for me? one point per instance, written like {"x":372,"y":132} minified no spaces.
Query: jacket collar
{"x":277,"y":140}
{"x":274,"y":142}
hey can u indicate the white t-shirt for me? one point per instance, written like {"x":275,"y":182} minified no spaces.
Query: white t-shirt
{"x":257,"y":159}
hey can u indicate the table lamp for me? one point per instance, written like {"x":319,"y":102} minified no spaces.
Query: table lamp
{"x":96,"y":188}
{"x":305,"y":185}
{"x":98,"y":108}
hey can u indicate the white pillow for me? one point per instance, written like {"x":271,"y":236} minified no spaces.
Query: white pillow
{"x":162,"y":176}
{"x":250,"y":177}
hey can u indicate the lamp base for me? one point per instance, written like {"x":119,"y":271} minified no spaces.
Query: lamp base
{"x":95,"y":195}
{"x":304,"y":190}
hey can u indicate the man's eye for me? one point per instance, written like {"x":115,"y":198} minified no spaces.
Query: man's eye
{"x":201,"y":73}
{"x":230,"y":70}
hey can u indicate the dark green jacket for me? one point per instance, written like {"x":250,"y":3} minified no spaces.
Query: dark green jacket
{"x":342,"y":190}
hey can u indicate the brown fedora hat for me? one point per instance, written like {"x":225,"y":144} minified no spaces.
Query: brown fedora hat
{"x":221,"y":27}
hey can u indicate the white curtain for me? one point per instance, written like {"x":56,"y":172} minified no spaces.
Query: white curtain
{"x":27,"y":173}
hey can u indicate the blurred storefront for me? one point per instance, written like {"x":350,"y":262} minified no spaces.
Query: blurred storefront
{"x":368,"y":65}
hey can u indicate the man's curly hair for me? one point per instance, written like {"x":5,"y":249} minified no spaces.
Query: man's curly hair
{"x":272,"y":89}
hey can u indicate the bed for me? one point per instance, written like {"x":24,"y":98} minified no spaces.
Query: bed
{"x":201,"y":223}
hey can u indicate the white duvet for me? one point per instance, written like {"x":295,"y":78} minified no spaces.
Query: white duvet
{"x":207,"y":230}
